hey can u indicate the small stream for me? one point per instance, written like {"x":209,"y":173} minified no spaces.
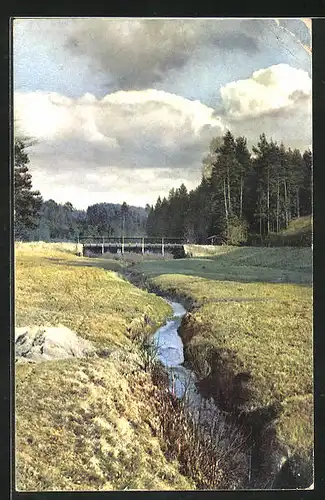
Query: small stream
{"x":182,"y":381}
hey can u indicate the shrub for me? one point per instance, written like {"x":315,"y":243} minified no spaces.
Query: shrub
{"x":179,"y":253}
{"x":237,"y":232}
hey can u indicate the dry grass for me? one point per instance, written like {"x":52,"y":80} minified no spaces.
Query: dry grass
{"x":87,"y":424}
{"x":41,"y":247}
{"x":216,"y":457}
{"x":296,"y":423}
{"x":53,"y":287}
{"x":272,"y":342}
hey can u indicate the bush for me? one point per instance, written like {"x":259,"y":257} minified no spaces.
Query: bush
{"x":179,"y":253}
{"x":237,"y":232}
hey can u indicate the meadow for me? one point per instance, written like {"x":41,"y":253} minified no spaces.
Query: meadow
{"x":86,"y":424}
{"x":252,"y":313}
{"x":92,"y":423}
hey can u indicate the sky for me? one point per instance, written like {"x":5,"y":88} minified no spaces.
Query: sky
{"x":124,"y":109}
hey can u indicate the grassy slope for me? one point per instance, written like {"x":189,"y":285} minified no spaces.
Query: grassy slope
{"x":298,"y":233}
{"x":271,"y":339}
{"x":86,"y":424}
{"x":54,"y":287}
{"x":239,"y":264}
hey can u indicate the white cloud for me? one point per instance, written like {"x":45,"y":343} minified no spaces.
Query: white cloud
{"x":48,"y":115}
{"x":136,"y":145}
{"x":278,"y":87}
{"x":116,"y":145}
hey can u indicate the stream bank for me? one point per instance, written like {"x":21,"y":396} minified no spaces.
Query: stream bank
{"x":212,"y":450}
{"x":272,"y":465}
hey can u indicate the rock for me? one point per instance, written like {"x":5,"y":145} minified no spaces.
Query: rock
{"x":48,"y":343}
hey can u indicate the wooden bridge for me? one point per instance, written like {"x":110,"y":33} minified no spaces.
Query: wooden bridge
{"x":100,"y":245}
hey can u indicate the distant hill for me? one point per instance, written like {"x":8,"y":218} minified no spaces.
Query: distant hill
{"x":62,"y":222}
{"x":109,"y":219}
{"x":297,"y":234}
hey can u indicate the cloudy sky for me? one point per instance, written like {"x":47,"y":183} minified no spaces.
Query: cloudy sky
{"x":125,"y":109}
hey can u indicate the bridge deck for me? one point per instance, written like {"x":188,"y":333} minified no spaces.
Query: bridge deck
{"x":147,"y":245}
{"x":129,"y":246}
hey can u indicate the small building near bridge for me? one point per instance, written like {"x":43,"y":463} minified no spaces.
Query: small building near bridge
{"x":216,"y":239}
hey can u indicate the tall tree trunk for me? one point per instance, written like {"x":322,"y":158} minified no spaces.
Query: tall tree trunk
{"x":229,"y":196}
{"x":226,"y":206}
{"x":298,"y":202}
{"x":241,"y":197}
{"x":277,"y":205}
{"x":260,"y":219}
{"x":285,"y":204}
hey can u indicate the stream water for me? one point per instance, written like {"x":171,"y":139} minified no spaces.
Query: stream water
{"x":182,"y":381}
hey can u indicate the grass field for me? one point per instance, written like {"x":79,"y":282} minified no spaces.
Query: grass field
{"x":55,"y":287}
{"x":238,"y":263}
{"x":298,"y":233}
{"x":253,"y":314}
{"x":87,"y":424}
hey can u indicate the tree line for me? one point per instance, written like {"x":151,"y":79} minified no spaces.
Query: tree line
{"x":243,"y":195}
{"x":36,"y":219}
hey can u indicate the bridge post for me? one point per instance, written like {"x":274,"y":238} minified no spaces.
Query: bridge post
{"x":162,"y":246}
{"x":142,"y":246}
{"x":103,"y":245}
{"x":123,"y":245}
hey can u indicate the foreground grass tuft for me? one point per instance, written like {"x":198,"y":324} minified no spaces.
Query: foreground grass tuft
{"x":87,"y":425}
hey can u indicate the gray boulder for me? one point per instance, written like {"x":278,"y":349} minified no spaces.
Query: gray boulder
{"x":49,"y":343}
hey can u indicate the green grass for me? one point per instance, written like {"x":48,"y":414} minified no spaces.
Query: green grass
{"x":58,"y":288}
{"x":247,"y":264}
{"x":87,"y":424}
{"x":297,"y":234}
{"x":249,"y":323}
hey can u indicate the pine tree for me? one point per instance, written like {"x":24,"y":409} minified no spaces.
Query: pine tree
{"x":224,"y":177}
{"x":306,"y":191}
{"x":263,"y":176}
{"x":27,"y":203}
{"x":244,"y":169}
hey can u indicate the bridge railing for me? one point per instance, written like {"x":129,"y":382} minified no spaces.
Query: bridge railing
{"x":102,"y":244}
{"x":149,"y":240}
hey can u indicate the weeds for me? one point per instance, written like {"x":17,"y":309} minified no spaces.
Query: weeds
{"x":214,"y":456}
{"x":148,"y":350}
{"x":211,"y":452}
